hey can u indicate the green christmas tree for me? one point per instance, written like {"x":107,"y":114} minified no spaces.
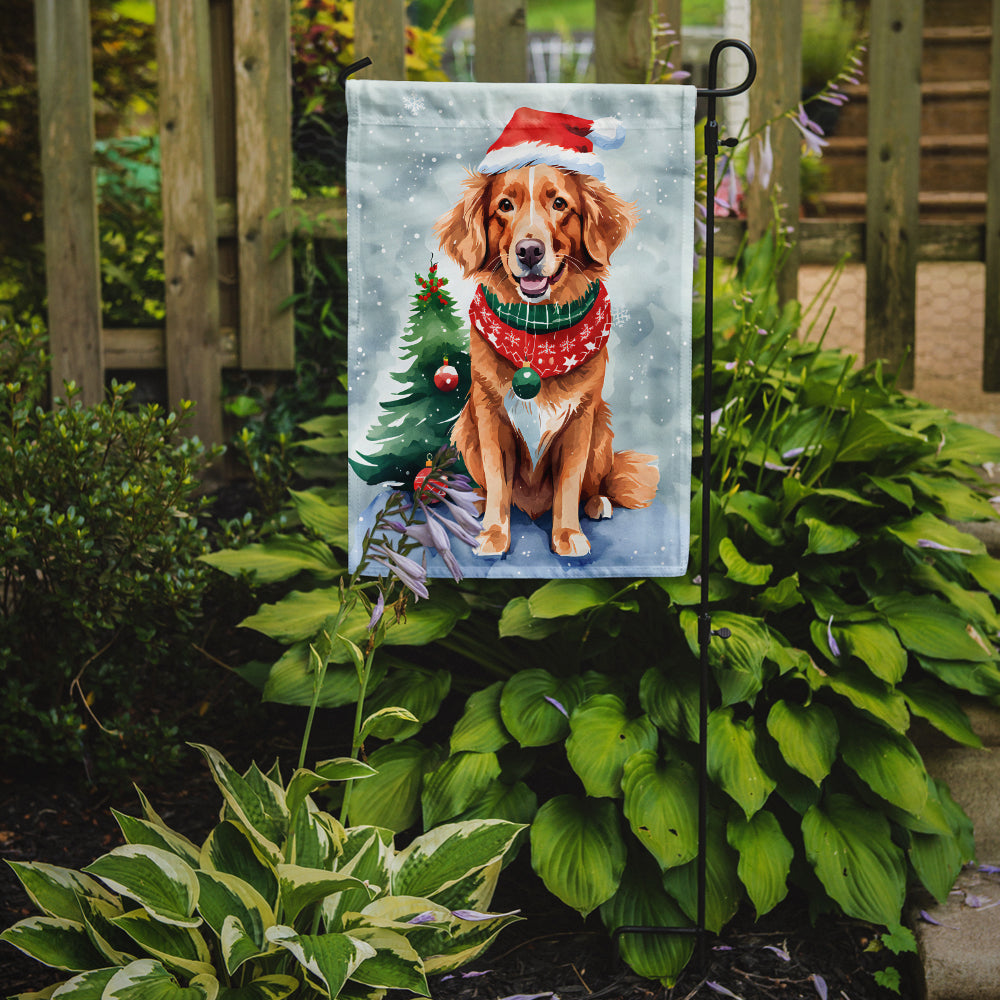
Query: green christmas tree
{"x":419,"y":417}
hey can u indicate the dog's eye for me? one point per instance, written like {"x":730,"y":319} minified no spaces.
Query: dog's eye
{"x":559,"y":204}
{"x":506,"y":205}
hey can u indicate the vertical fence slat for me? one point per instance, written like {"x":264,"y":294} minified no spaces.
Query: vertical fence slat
{"x":776,"y":34}
{"x":190,"y":253}
{"x":380,"y":34}
{"x":261,"y":42}
{"x":621,"y":40}
{"x":72,"y":257}
{"x":501,"y":41}
{"x":893,"y":183}
{"x":991,"y":332}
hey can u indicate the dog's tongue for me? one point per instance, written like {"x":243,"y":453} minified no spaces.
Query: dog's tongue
{"x":531,"y":285}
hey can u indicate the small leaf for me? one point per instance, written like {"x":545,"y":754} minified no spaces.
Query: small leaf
{"x":732,"y":760}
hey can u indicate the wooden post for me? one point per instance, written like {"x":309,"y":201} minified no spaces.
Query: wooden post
{"x":262,"y":60}
{"x":190,"y":254}
{"x":622,"y":40}
{"x":776,"y":35}
{"x":991,"y":333}
{"x":501,"y":41}
{"x":380,"y":34}
{"x":72,"y":256}
{"x":893,"y":183}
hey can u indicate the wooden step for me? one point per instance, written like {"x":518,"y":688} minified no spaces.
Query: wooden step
{"x":939,"y":13}
{"x":958,"y":206}
{"x":956,"y":53}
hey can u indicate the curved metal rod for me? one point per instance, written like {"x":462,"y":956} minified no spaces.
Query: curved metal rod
{"x":353,"y":68}
{"x":713,"y":69}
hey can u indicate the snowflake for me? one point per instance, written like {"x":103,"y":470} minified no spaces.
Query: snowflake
{"x":621,"y":316}
{"x":414,"y":104}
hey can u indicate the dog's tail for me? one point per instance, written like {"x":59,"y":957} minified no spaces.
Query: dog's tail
{"x":633,"y":479}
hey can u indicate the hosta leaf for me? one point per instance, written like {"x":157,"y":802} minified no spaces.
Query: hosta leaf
{"x":395,"y":964}
{"x":739,"y":569}
{"x":671,"y":700}
{"x":828,"y":539}
{"x":441,"y":857}
{"x":366,"y":855}
{"x":291,"y":680}
{"x":56,"y":891}
{"x":330,"y":959}
{"x":141,"y":831}
{"x":965,"y":443}
{"x":225,"y":897}
{"x":928,"y":528}
{"x":327,"y":520}
{"x":180,"y":948}
{"x":866,"y":692}
{"x":738,"y":661}
{"x":986,"y":571}
{"x":530,"y":706}
{"x":661,"y":799}
{"x":976,"y":678}
{"x":783,"y":595}
{"x":876,"y":646}
{"x":54,"y":941}
{"x":976,"y":605}
{"x":387,"y":723}
{"x":417,"y":690}
{"x":516,"y":803}
{"x":641,"y":901}
{"x":850,"y":848}
{"x":456,"y":784}
{"x":870,"y":435}
{"x":807,"y":736}
{"x":87,"y":986}
{"x":147,"y":979}
{"x":301,"y":887}
{"x":466,"y":941}
{"x":684,"y":592}
{"x":517,"y":620}
{"x":578,"y":851}
{"x":602,"y":738}
{"x":159,"y":881}
{"x":957,"y":501}
{"x":937,"y":860}
{"x":559,"y":598}
{"x":230,"y":849}
{"x":941,"y":709}
{"x":304,"y":782}
{"x":391,"y":798}
{"x":765,"y":858}
{"x":932,"y":628}
{"x":279,"y":558}
{"x":888,"y":763}
{"x":275,"y":987}
{"x":481,"y":727}
{"x":758,"y":511}
{"x":732,"y":760}
{"x":723,"y":889}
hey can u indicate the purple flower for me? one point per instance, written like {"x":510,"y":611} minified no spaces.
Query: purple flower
{"x":719,"y":988}
{"x":834,"y":648}
{"x":410,"y":573}
{"x":780,"y":952}
{"x":475,"y":915}
{"x":377,"y":611}
{"x":427,"y":917}
{"x":927,"y":543}
{"x":761,"y":163}
{"x":811,"y":132}
{"x":820,"y":983}
{"x":558,"y":705}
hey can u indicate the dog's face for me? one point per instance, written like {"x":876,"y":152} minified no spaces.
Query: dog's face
{"x":536,"y":233}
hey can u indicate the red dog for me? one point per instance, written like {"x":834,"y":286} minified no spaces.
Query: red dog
{"x":536,"y":228}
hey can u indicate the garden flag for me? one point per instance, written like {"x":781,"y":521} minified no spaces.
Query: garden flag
{"x":521,"y":261}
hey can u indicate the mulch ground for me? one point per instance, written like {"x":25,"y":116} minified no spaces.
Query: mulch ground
{"x":550,"y":953}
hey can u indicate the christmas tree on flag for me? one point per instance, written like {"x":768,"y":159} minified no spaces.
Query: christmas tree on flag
{"x":418,"y":419}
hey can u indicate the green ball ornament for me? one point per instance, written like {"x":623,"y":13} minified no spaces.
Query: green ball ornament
{"x":526,"y":383}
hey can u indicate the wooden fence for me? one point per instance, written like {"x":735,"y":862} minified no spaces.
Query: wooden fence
{"x":226,"y":160}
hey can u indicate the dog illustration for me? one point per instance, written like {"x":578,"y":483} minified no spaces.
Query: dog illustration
{"x":536,"y":228}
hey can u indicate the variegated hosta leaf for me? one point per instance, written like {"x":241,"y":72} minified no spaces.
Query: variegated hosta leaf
{"x":116,"y":946}
{"x":475,"y":891}
{"x":141,"y":831}
{"x":441,"y":857}
{"x":275,"y":987}
{"x":765,"y":858}
{"x":732,"y":760}
{"x":661,"y":799}
{"x":149,"y":980}
{"x":602,"y":737}
{"x":315,"y":838}
{"x":329,"y":959}
{"x":642,"y":902}
{"x":535,"y":706}
{"x":301,"y":887}
{"x":54,"y":941}
{"x":158,"y":880}
{"x":481,"y":727}
{"x":468,"y":939}
{"x":225,"y":897}
{"x":177,"y":947}
{"x":456,"y":784}
{"x":56,"y":891}
{"x":304,"y":782}
{"x":230,"y":849}
{"x":578,"y":851}
{"x":395,"y":964}
{"x":367,"y":853}
{"x":86,"y":986}
{"x":256,"y":801}
{"x":850,"y":847}
{"x":807,"y":736}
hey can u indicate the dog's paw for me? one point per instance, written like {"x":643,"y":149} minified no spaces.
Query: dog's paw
{"x":493,"y":541}
{"x":570,"y":543}
{"x":598,"y":508}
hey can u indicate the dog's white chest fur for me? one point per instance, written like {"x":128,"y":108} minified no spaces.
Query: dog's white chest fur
{"x":537,"y":425}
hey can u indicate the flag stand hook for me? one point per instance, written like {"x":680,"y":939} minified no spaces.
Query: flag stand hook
{"x":705,"y":630}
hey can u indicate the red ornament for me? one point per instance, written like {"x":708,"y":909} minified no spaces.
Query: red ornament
{"x":428,"y":490}
{"x":446,"y":377}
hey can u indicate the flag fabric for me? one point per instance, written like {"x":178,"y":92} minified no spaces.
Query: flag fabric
{"x":520,"y":276}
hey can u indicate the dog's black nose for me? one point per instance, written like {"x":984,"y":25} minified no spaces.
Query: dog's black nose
{"x":529,"y":252}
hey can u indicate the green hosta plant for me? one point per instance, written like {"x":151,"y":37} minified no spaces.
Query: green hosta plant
{"x":279,"y":900}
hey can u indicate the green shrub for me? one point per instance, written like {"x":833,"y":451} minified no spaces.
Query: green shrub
{"x":101,"y":584}
{"x":279,"y":900}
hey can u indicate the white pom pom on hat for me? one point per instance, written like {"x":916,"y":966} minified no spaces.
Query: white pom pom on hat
{"x":554,"y":138}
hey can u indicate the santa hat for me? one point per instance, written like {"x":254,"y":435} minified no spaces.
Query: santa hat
{"x":556,"y":139}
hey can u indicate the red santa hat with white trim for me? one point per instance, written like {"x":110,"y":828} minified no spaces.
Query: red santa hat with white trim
{"x":551,"y":137}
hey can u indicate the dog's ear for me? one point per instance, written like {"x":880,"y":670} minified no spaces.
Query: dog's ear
{"x":607,"y":220}
{"x":462,"y":231}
